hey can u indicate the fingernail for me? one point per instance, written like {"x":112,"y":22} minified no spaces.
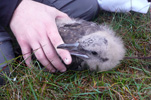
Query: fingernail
{"x":66,"y":61}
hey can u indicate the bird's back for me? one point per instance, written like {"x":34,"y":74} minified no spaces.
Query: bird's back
{"x":73,"y":30}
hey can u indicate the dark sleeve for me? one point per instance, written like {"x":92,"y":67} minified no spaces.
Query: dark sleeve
{"x":7,"y":8}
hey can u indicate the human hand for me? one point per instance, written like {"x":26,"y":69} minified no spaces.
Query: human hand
{"x":34,"y":27}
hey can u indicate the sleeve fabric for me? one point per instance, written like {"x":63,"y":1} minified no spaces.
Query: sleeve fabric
{"x":7,"y":8}
{"x":140,"y":6}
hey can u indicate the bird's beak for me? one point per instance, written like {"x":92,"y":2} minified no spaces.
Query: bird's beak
{"x":73,"y":49}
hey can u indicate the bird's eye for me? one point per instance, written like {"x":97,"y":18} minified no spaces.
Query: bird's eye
{"x":94,"y":53}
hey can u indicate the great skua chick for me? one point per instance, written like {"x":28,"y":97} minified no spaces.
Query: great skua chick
{"x":95,"y":47}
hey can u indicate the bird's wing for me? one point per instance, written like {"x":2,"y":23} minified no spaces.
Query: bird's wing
{"x":71,"y":32}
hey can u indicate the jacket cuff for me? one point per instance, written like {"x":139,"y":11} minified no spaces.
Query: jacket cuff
{"x":7,"y":8}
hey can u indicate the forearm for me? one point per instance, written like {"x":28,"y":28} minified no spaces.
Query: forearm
{"x":7,"y":8}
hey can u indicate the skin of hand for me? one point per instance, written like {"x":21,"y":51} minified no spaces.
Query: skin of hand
{"x":34,"y":27}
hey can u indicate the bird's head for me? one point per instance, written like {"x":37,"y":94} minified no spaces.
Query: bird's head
{"x":101,"y":50}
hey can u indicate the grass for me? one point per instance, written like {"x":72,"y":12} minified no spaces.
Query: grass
{"x":131,"y":80}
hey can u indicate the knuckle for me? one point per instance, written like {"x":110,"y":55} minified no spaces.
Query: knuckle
{"x":61,"y":52}
{"x":21,"y":41}
{"x":40,"y":56}
{"x":50,"y":68}
{"x":50,"y":33}
{"x":59,"y":65}
{"x":26,"y":56}
{"x":53,"y":9}
{"x":65,"y":15}
{"x":51,"y":56}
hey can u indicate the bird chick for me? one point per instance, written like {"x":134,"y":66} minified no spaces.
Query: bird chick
{"x":96,"y":46}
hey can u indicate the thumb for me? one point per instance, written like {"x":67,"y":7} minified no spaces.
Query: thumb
{"x":62,"y":15}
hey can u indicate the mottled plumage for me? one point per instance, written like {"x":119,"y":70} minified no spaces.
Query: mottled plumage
{"x":96,"y":46}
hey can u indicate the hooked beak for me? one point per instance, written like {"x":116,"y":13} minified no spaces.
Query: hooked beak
{"x":73,"y":49}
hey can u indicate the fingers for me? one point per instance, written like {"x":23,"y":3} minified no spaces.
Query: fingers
{"x":26,"y":51}
{"x":43,"y":50}
{"x":38,"y":30}
{"x":37,"y":50}
{"x":45,"y":53}
{"x":56,"y":40}
{"x":62,"y":15}
{"x":51,"y":55}
{"x":39,"y":53}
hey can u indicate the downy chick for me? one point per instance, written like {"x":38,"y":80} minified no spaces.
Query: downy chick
{"x":96,"y":46}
